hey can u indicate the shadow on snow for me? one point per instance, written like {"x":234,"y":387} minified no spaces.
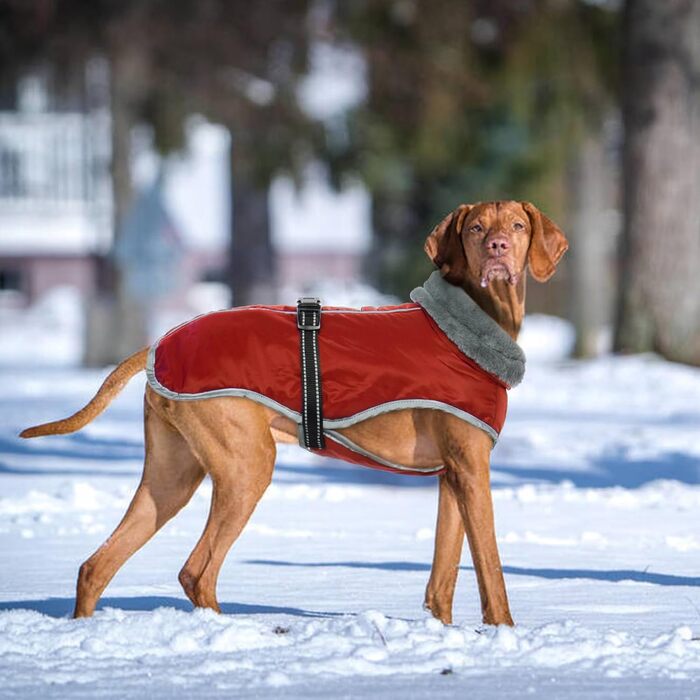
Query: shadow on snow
{"x":614,"y":468}
{"x":612,"y":575}
{"x":63,"y":607}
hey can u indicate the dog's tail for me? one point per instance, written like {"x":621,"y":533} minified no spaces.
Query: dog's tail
{"x":111,"y":386}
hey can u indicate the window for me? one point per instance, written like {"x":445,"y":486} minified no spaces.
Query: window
{"x":10,"y":279}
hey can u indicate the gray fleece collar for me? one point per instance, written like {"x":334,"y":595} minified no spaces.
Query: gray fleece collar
{"x":471,"y":329}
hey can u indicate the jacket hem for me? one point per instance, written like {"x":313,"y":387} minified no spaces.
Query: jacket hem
{"x":328,"y":424}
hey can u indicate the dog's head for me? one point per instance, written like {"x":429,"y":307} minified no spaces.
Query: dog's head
{"x":495,"y":241}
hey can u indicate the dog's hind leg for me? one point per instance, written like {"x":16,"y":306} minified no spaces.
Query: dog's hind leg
{"x":234,"y":441}
{"x":449,"y":539}
{"x":171,"y":475}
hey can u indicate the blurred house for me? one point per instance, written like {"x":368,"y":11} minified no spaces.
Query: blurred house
{"x":319,"y":235}
{"x":322,"y":236}
{"x":56,"y":218}
{"x":194,"y":193}
{"x":55,"y":195}
{"x":56,"y":214}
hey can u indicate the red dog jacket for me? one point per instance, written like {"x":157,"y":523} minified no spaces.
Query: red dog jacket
{"x":372,"y":361}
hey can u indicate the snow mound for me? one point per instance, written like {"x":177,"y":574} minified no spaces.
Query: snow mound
{"x":71,"y":509}
{"x":48,"y":334}
{"x":339,"y":293}
{"x":73,"y":497}
{"x":546,"y":338}
{"x":184,"y":648}
{"x":654,"y":494}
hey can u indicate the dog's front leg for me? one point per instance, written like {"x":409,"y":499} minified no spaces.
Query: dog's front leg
{"x":466,"y":453}
{"x":449,"y":539}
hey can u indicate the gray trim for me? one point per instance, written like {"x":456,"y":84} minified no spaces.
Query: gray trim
{"x":410,"y":403}
{"x":346,"y":442}
{"x":471,"y":329}
{"x":328,"y":424}
{"x":215,"y":393}
{"x":475,"y":333}
{"x":366,"y":310}
{"x":340,"y":310}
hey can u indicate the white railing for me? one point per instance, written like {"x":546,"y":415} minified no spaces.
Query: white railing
{"x":56,"y":164}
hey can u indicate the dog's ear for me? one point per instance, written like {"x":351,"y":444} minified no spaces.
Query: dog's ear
{"x":547,"y":244}
{"x":443,"y":245}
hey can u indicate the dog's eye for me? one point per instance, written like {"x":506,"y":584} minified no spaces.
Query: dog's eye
{"x":518,"y":226}
{"x":476,"y":228}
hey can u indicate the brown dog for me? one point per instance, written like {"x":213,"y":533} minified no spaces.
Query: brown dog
{"x":482,"y":248}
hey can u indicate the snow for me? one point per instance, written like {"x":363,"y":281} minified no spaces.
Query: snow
{"x":68,"y":230}
{"x":48,"y":333}
{"x":596,"y":490}
{"x":546,"y":338}
{"x":336,"y":82}
{"x":196,"y":183}
{"x":192,"y":649}
{"x":314,"y":217}
{"x":354,"y":294}
{"x":196,"y":192}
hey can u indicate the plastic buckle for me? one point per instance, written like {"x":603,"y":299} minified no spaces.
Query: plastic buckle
{"x":308,"y":306}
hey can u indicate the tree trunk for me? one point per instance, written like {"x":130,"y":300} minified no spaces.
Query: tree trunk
{"x":252,"y":268}
{"x":590,"y":288}
{"x":116,"y":323}
{"x":659,"y":303}
{"x":396,"y":262}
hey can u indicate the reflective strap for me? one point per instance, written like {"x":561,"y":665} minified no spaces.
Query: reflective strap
{"x":309,"y":325}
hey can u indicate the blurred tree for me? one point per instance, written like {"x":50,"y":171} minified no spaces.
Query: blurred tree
{"x":469,"y":101}
{"x":238,"y":63}
{"x":659,"y":304}
{"x":465,"y":101}
{"x":234,"y":61}
{"x":562,"y":73}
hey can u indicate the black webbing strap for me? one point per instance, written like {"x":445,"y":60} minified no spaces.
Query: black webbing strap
{"x":309,"y":324}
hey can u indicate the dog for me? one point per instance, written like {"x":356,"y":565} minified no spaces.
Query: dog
{"x":481,"y":251}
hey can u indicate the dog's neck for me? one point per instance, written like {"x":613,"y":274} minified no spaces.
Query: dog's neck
{"x":503,"y":302}
{"x":475,"y":330}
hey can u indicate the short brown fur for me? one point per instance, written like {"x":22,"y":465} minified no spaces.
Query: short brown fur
{"x":482,"y":248}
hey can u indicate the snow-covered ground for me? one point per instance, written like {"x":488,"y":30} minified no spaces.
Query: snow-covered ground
{"x":596,"y":488}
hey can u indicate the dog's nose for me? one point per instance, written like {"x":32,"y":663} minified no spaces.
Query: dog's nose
{"x":498,"y":245}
